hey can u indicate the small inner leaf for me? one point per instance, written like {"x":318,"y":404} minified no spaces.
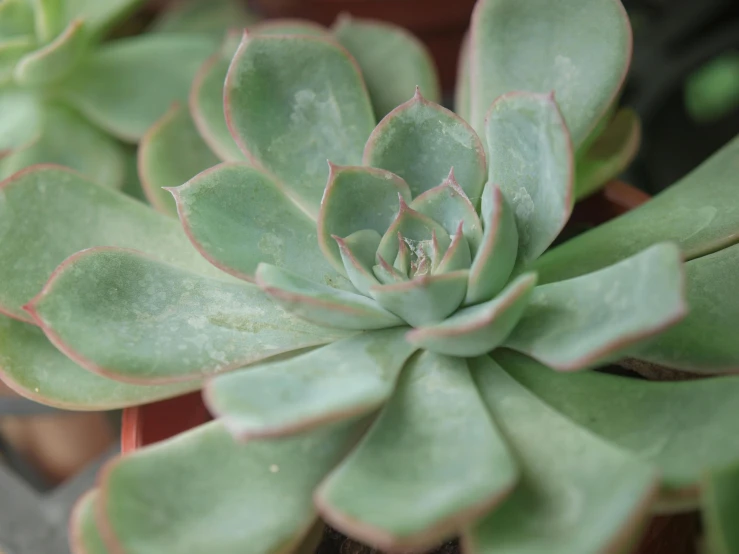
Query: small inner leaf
{"x":358,"y":254}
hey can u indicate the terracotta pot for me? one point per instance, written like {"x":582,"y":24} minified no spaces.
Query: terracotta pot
{"x":673,"y":534}
{"x":440,"y":24}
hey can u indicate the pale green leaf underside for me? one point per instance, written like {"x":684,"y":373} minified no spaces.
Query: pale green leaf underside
{"x":85,"y":536}
{"x":127,"y":85}
{"x":478,"y":329}
{"x":530,"y":158}
{"x":432,"y":462}
{"x":67,"y":139}
{"x":683,"y":428}
{"x":580,"y":49}
{"x":422,"y":142}
{"x":705,"y":341}
{"x":578,"y":494}
{"x":35,"y":369}
{"x":130,"y":316}
{"x":171,"y":153}
{"x":347,"y":378}
{"x":294,"y":102}
{"x":700,"y":213}
{"x":574,"y":324}
{"x":189,"y":494}
{"x":50,"y":213}
{"x":393,"y":62}
{"x":721,"y":510}
{"x":322,"y":304}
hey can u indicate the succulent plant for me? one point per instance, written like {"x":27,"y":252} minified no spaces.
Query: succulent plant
{"x":387,"y":340}
{"x":68,"y":97}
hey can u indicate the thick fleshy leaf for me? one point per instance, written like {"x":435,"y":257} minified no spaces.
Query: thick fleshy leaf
{"x":294,"y":102}
{"x":33,"y":368}
{"x":721,"y":510}
{"x":424,"y":300}
{"x":55,"y":59}
{"x":239,"y":217}
{"x":496,"y":256}
{"x":705,"y":341}
{"x":583,"y":56}
{"x":48,"y":18}
{"x":321,"y":304}
{"x":128,"y":316}
{"x":577,"y":323}
{"x":99,"y":16}
{"x":129,"y":84}
{"x":462,"y":91}
{"x":357,"y":198}
{"x":182,"y":495}
{"x":684,"y":428}
{"x":698,"y":213}
{"x":578,"y":494}
{"x":358,"y":255}
{"x":393,"y":62}
{"x":432,"y":463}
{"x":49,"y":213}
{"x":422,"y":142}
{"x":196,"y":16}
{"x":20,"y":124}
{"x":206,"y":103}
{"x":478,"y":329}
{"x":457,"y":256}
{"x":85,"y":537}
{"x":11,"y":51}
{"x":345,"y":379}
{"x":610,"y":154}
{"x":531,"y":160}
{"x":16,"y":19}
{"x":171,"y":153}
{"x":67,"y":139}
{"x":289,"y":26}
{"x":448,"y":204}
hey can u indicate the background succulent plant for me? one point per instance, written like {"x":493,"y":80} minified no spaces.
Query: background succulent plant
{"x":371,"y":397}
{"x":69,"y":97}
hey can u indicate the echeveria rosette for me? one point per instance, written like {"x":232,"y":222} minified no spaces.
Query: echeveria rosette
{"x":373,"y":430}
{"x":69,"y":97}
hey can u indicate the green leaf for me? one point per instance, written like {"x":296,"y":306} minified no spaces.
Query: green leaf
{"x":357,"y":199}
{"x":462,"y":91}
{"x":99,"y":16}
{"x":55,"y":60}
{"x":457,"y":256}
{"x":170,"y":154}
{"x":206,"y":105}
{"x":33,"y":368}
{"x":531,"y":160}
{"x":48,"y":17}
{"x":422,"y":142}
{"x":289,"y":27}
{"x":239,"y":217}
{"x":49,"y":213}
{"x":189,"y":494}
{"x":698,"y":213}
{"x":16,"y":19}
{"x":705,"y":341}
{"x":358,"y":252}
{"x":721,"y":509}
{"x":496,"y":256}
{"x":478,"y":329}
{"x":575,"y":324}
{"x":196,"y":16}
{"x":128,"y":316}
{"x":424,"y":300}
{"x":127,"y":85}
{"x":578,"y":494}
{"x":684,"y":428}
{"x":11,"y":52}
{"x":580,"y":49}
{"x":21,"y":121}
{"x":393,"y":62}
{"x":67,"y":139}
{"x":448,"y":204}
{"x":294,"y":102}
{"x":85,"y":537}
{"x":610,"y":154}
{"x":321,"y":304}
{"x":345,"y":379}
{"x":432,"y":463}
